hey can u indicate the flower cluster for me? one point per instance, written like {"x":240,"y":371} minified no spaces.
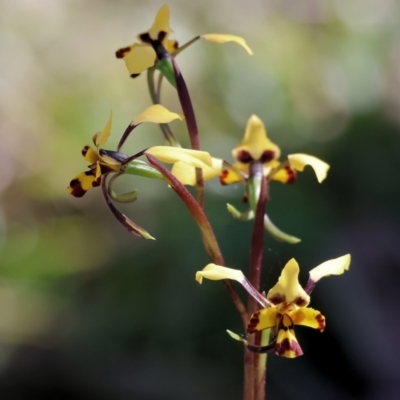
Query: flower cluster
{"x":256,"y":164}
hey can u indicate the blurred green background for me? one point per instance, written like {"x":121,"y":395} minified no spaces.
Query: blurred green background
{"x":88,"y":311}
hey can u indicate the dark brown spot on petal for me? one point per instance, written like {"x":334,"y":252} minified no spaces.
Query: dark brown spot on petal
{"x":300,"y":301}
{"x":122,"y":52}
{"x":145,"y":37}
{"x":244,"y":156}
{"x":291,"y":174}
{"x":97,"y":182}
{"x":277,"y":298}
{"x":85,"y":150}
{"x":267,"y":156}
{"x":222,"y":176}
{"x":161,"y":36}
{"x":286,"y":346}
{"x":321,"y":322}
{"x":175,"y":45}
{"x":134,"y":75}
{"x":76,"y":188}
{"x":254,"y":321}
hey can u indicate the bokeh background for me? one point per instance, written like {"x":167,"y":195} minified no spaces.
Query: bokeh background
{"x":88,"y":311}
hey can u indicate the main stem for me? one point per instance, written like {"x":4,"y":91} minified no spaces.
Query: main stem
{"x":255,"y":363}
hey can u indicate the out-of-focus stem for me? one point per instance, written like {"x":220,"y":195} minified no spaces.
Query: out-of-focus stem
{"x":155,"y":98}
{"x":207,"y":233}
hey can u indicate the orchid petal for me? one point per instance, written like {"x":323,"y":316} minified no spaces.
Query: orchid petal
{"x":285,"y":174}
{"x":171,"y":155}
{"x":335,"y":266}
{"x":187,"y":174}
{"x":263,"y":319}
{"x":82,"y":183}
{"x":221,"y":38}
{"x":256,"y":142}
{"x":90,"y":154}
{"x":299,"y":161}
{"x":288,"y":288}
{"x":216,"y":272}
{"x":157,"y":114}
{"x":139,"y":58}
{"x":308,"y":317}
{"x":287,"y":344}
{"x":100,"y":138}
{"x":161,"y":23}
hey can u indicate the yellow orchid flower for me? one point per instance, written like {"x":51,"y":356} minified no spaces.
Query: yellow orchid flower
{"x":101,"y":162}
{"x":155,"y":44}
{"x":256,"y":146}
{"x":285,"y":304}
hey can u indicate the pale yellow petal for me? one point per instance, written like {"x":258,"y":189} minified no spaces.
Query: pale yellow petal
{"x":335,"y":266}
{"x":161,"y":23}
{"x":299,"y":161}
{"x":187,"y":174}
{"x":139,"y":58}
{"x":102,"y":137}
{"x":288,"y":288}
{"x":216,"y":272}
{"x":221,"y":38}
{"x":255,"y":141}
{"x":171,"y":155}
{"x":308,"y":317}
{"x":156,"y":114}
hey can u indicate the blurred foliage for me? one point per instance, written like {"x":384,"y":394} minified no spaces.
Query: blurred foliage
{"x":87,"y":311}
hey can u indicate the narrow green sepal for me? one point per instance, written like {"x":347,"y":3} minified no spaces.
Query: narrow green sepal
{"x":277,"y":234}
{"x":141,"y":168}
{"x":254,"y":190}
{"x":167,"y":69}
{"x":128,"y":197}
{"x":241,"y":216}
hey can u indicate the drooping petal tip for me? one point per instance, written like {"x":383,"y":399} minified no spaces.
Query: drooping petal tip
{"x":156,"y":114}
{"x":216,"y":272}
{"x":299,"y":161}
{"x":221,"y":38}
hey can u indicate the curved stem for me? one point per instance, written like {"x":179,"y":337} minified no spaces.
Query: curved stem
{"x":207,"y":233}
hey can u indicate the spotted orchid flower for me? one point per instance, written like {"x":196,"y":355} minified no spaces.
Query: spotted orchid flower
{"x":155,"y":44}
{"x":101,"y":162}
{"x":106,"y":162}
{"x":255,"y":147}
{"x":285,"y":305}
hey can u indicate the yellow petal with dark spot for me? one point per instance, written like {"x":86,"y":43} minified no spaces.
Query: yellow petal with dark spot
{"x":263,"y":319}
{"x":156,"y":114}
{"x":335,"y":266}
{"x":308,"y":317}
{"x":221,"y":38}
{"x":100,"y":138}
{"x":139,"y":58}
{"x":90,"y":154}
{"x":288,"y":288}
{"x":82,"y":183}
{"x":299,"y":161}
{"x":233,"y":174}
{"x":256,"y":142}
{"x":161,"y":23}
{"x":287,"y":344}
{"x":286,"y":174}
